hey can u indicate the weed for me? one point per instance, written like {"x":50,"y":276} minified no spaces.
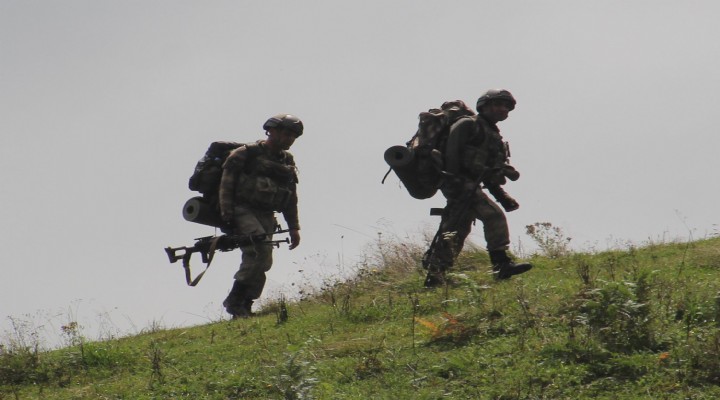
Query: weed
{"x":282,"y":311}
{"x":74,"y":339}
{"x":476,"y":292}
{"x":294,"y":380}
{"x":550,"y":239}
{"x":155,"y":326}
{"x":584,"y":269}
{"x":368,"y":366}
{"x":156,"y":357}
{"x":20,"y":365}
{"x":527,"y":318}
{"x":455,"y":329}
{"x":414,"y":305}
{"x":717,"y":310}
{"x":705,"y":360}
{"x":21,"y":361}
{"x":617,"y":318}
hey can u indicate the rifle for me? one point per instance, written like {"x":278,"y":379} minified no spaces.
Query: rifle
{"x":207,"y":246}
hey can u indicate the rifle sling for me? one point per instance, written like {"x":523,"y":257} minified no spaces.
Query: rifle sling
{"x":186,"y":263}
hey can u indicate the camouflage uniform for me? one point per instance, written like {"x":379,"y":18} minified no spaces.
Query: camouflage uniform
{"x":254,"y":186}
{"x":469,"y":149}
{"x":475,"y":156}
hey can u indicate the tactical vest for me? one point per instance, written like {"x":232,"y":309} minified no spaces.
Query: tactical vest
{"x":266,"y":182}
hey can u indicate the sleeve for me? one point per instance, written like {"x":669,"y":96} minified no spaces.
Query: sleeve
{"x":234,"y":163}
{"x":290,"y":213}
{"x":456,"y":149}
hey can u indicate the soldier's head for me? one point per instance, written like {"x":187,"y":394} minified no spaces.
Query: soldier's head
{"x":285,"y":121}
{"x":283,"y":129}
{"x":495,"y":104}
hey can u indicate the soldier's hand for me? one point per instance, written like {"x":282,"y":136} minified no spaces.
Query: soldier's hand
{"x":495,"y":178}
{"x":294,"y":238}
{"x":511,"y":173}
{"x":509,"y":204}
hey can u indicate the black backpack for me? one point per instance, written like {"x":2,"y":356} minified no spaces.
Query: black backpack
{"x":208,"y":170}
{"x":419,"y":164}
{"x":205,"y":179}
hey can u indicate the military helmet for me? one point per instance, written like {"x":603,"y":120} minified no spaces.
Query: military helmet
{"x":285,"y":121}
{"x":493,"y":94}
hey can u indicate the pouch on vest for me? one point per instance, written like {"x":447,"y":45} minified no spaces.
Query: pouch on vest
{"x":262,"y":192}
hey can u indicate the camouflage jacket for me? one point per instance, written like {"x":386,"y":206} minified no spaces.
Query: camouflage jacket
{"x":474,"y":150}
{"x":258,"y":179}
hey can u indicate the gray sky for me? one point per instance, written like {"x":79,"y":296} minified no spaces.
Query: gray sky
{"x":105,"y":106}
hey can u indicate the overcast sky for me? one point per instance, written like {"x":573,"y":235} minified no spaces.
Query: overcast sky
{"x":105,"y":106}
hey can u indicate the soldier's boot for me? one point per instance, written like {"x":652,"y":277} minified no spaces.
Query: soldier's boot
{"x":241,"y":309}
{"x":236,"y":304}
{"x":504,"y":268}
{"x":247,"y":308}
{"x":434,"y":279}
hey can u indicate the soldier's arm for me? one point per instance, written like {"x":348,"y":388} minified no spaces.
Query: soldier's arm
{"x":502,"y":197}
{"x":290,"y":213}
{"x":234,"y":163}
{"x":458,"y":137}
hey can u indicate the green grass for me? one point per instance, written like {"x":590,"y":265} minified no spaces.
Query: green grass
{"x":642,"y":323}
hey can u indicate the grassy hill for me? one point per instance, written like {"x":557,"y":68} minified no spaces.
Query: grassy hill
{"x":641,"y":323}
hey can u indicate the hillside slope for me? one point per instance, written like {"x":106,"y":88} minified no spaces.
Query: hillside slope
{"x":632,"y":324}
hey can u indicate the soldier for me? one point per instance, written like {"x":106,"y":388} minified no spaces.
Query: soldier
{"x":258,"y":180}
{"x":475,"y":157}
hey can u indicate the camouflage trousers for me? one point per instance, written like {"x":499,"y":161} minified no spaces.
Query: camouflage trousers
{"x":256,"y":258}
{"x":456,"y":224}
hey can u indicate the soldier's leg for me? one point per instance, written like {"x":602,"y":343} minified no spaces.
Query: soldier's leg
{"x":256,"y":260}
{"x":460,"y":230}
{"x":495,"y":227}
{"x":497,"y":236}
{"x":264,"y":256}
{"x":437,"y":259}
{"x":454,"y":228}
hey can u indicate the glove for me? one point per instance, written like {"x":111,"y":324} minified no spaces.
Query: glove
{"x":509,"y":204}
{"x":496,"y":177}
{"x":511,"y":173}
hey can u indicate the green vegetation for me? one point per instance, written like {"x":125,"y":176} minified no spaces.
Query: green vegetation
{"x":642,"y":323}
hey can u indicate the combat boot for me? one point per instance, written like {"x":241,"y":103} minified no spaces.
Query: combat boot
{"x":247,"y":308}
{"x":242,"y":309}
{"x":236,"y":304}
{"x":434,"y":279}
{"x":504,"y":268}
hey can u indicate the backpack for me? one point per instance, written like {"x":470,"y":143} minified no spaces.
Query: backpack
{"x":208,"y":170}
{"x":419,"y":164}
{"x":205,"y":179}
